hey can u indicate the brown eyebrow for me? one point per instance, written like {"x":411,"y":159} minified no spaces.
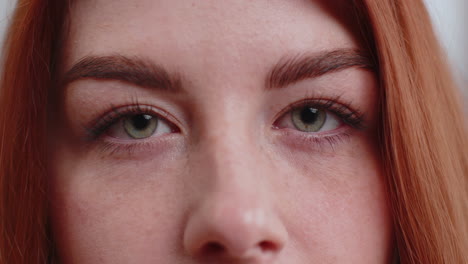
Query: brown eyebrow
{"x":291,"y":70}
{"x":131,"y":70}
{"x":147,"y":74}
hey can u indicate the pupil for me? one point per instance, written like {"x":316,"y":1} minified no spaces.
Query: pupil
{"x":140,"y":122}
{"x":309,"y":115}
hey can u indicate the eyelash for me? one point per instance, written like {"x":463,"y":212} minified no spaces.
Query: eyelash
{"x":103,"y":123}
{"x":322,"y":141}
{"x":343,"y":111}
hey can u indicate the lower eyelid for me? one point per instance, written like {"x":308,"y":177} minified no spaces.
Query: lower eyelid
{"x":321,"y":141}
{"x":148,"y":147}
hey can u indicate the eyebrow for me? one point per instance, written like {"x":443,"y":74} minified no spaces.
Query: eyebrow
{"x":144,"y":73}
{"x":295,"y":69}
{"x":126,"y":69}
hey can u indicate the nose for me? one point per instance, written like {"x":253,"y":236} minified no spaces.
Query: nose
{"x":226,"y":230}
{"x":234,"y":218}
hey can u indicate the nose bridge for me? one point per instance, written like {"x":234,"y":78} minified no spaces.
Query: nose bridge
{"x":228,"y":142}
{"x":232,"y":165}
{"x":234,"y":215}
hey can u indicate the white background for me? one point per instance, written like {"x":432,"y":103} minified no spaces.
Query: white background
{"x":449,"y":18}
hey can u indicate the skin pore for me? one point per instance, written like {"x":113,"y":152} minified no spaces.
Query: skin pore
{"x":217,"y":132}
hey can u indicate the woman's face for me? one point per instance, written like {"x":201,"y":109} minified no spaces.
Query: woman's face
{"x":217,"y":132}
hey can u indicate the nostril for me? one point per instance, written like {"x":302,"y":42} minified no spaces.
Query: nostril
{"x":268,"y":246}
{"x":217,"y":249}
{"x":213,"y":248}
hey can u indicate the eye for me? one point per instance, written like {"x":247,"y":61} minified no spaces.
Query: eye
{"x":139,"y":126}
{"x":309,"y":118}
{"x":131,"y":122}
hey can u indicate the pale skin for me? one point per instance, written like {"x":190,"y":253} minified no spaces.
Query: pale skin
{"x":227,"y":176}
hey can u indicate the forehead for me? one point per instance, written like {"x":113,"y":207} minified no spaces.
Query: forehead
{"x":210,"y":33}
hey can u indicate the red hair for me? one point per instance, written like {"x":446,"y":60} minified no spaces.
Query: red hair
{"x":422,"y":132}
{"x":424,"y":136}
{"x":28,"y":60}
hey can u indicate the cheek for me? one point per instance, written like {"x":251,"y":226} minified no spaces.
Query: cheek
{"x":332,"y":204}
{"x":339,"y":208}
{"x":103,"y":209}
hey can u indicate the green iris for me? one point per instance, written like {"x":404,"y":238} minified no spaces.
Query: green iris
{"x":308,"y":119}
{"x":140,"y":126}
